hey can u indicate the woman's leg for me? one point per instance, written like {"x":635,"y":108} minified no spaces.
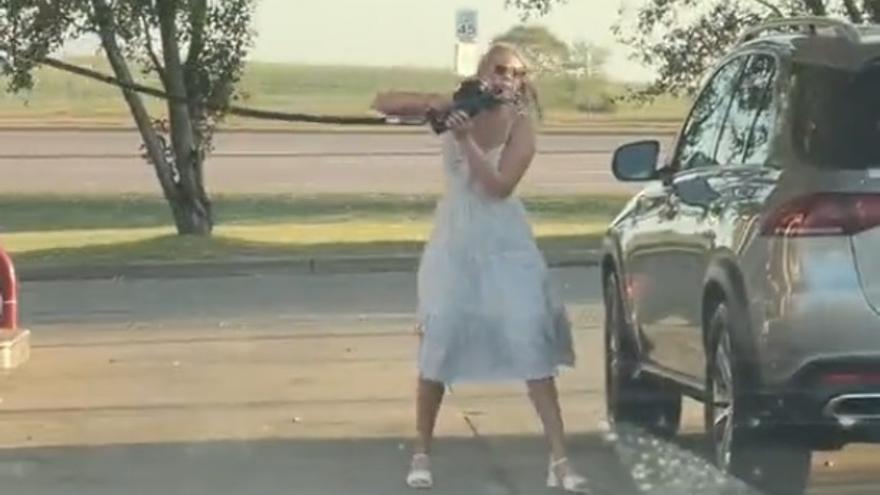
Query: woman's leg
{"x":429,"y":396}
{"x":546,"y":400}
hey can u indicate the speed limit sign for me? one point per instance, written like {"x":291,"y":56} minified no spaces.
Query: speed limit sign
{"x":466,"y":25}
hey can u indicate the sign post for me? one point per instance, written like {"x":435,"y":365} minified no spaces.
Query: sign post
{"x":466,"y":51}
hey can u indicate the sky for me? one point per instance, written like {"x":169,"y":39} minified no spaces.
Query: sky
{"x":417,"y":32}
{"x":413,"y":32}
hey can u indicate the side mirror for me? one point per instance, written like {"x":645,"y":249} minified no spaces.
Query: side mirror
{"x":636,"y":162}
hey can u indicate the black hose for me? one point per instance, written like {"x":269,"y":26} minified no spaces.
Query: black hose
{"x":242,"y":111}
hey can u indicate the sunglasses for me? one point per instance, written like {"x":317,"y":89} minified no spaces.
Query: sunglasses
{"x":507,"y":70}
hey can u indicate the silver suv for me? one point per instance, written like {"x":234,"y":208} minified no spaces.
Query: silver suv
{"x":746,"y":274}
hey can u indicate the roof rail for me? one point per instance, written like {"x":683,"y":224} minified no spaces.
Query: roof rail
{"x":869,"y":29}
{"x":843,"y":28}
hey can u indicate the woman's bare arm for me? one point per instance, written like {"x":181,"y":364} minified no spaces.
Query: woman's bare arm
{"x":515,"y":159}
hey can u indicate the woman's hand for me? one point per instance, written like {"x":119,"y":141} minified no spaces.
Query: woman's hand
{"x":460,"y":124}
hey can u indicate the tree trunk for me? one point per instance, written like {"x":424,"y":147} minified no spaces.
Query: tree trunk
{"x":852,"y":11}
{"x":816,"y":7}
{"x":191,"y":212}
{"x":197,"y":110}
{"x":872,"y":9}
{"x":152,"y":143}
{"x":192,"y":198}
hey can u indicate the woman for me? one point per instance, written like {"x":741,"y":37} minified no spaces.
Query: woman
{"x":486,"y":312}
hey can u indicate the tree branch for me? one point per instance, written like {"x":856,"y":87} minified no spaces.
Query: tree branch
{"x":151,"y":50}
{"x":254,"y":113}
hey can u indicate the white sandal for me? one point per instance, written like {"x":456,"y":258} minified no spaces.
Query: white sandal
{"x":420,"y":476}
{"x":570,"y":481}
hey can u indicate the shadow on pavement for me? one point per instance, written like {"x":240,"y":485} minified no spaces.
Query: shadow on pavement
{"x":628,"y":462}
{"x":497,"y":465}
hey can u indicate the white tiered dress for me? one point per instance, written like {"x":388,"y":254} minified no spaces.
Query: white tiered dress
{"x":485,"y":304}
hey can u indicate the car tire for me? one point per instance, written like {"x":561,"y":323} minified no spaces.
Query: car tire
{"x":738,"y":447}
{"x":637,"y":399}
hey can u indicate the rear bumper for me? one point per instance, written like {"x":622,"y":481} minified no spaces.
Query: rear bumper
{"x":810,"y":319}
{"x":826,"y":405}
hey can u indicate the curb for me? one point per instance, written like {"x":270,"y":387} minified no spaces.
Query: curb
{"x":263,"y":266}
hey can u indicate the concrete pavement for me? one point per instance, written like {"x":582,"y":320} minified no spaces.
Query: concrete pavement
{"x":281,"y":302}
{"x":303,"y":384}
{"x":270,"y":384}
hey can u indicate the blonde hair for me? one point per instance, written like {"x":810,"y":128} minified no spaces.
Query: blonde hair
{"x":527,"y":97}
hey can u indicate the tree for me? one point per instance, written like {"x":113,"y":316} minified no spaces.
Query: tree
{"x":682,"y":39}
{"x":196,"y":48}
{"x":545,"y":51}
{"x":528,"y":8}
{"x":586,"y":59}
{"x":584,"y":76}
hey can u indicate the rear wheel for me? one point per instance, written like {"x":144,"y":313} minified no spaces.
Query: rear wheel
{"x":739,"y":449}
{"x":636,"y":399}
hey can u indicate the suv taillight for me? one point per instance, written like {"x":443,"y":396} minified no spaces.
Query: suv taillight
{"x":824,"y":214}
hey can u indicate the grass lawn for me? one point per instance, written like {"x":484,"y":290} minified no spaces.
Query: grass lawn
{"x":337,"y":90}
{"x":40,"y":230}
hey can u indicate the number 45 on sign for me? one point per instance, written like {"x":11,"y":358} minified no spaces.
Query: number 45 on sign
{"x":466,"y":25}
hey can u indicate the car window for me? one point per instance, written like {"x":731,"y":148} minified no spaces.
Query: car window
{"x":837,"y":116}
{"x":700,"y":136}
{"x":745,"y":138}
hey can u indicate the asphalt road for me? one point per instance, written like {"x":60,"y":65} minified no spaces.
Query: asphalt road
{"x":296,"y":163}
{"x":302,"y":383}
